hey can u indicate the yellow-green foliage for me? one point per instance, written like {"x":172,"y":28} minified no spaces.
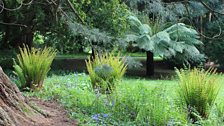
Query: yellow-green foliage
{"x":105,"y":70}
{"x":33,"y":65}
{"x":198,"y":90}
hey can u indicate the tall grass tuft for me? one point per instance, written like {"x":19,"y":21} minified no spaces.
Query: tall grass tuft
{"x":32,"y":66}
{"x":197,"y":91}
{"x":105,"y":70}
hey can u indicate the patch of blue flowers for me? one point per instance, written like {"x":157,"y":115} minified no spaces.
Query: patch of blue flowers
{"x":100,"y":118}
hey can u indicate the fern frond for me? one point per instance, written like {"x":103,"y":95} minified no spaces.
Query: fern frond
{"x":33,"y":66}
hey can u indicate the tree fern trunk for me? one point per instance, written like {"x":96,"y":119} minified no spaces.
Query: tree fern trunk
{"x":93,"y":54}
{"x":149,"y":64}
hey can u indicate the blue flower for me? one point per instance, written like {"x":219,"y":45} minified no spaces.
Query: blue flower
{"x":113,"y":103}
{"x":105,"y":115}
{"x":96,"y":117}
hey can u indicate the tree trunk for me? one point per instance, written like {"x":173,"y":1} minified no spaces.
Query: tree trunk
{"x":14,"y":109}
{"x":149,"y":64}
{"x":93,"y":55}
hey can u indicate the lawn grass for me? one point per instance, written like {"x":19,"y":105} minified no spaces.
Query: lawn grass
{"x":82,"y":55}
{"x":85,"y":56}
{"x":141,"y":56}
{"x":133,"y":96}
{"x":9,"y":54}
{"x":73,"y":56}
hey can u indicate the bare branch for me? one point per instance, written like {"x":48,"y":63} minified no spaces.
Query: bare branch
{"x":2,"y":5}
{"x":209,"y":8}
{"x":11,"y":9}
{"x":73,"y":9}
{"x":28,"y":3}
{"x":13,"y":24}
{"x":204,"y":36}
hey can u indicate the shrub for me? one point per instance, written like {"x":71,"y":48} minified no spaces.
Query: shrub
{"x":197,"y":91}
{"x":6,"y":58}
{"x":105,"y":70}
{"x":33,"y":66}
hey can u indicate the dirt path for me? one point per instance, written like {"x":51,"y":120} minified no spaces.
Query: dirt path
{"x":55,"y":114}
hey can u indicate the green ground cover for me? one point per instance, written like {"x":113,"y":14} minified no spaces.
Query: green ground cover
{"x":135,"y":102}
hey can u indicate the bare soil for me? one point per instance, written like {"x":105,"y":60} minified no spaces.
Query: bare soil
{"x":54,"y":113}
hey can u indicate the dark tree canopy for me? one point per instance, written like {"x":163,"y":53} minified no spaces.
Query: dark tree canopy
{"x":75,"y":26}
{"x":21,"y":20}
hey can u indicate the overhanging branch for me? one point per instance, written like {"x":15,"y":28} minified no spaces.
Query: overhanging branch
{"x":75,"y":12}
{"x":209,"y":8}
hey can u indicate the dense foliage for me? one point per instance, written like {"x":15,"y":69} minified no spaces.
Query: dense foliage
{"x":76,"y":26}
{"x":108,"y":15}
{"x":214,"y":48}
{"x":70,"y":26}
{"x":20,"y":19}
{"x":206,"y":16}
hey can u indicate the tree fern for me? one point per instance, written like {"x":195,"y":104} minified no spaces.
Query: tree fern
{"x":177,"y":38}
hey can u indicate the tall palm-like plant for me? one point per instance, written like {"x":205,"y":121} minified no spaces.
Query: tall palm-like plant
{"x":177,"y":39}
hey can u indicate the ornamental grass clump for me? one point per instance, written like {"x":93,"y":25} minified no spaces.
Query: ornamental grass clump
{"x":197,"y":91}
{"x":32,"y":66}
{"x":105,"y":71}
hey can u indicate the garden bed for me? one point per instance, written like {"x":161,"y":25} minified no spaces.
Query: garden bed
{"x":74,"y":92}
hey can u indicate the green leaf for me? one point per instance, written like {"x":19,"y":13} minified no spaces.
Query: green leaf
{"x":131,"y":38}
{"x":135,"y":24}
{"x":145,"y":42}
{"x":134,"y":21}
{"x":191,"y":50}
{"x":145,"y":29}
{"x":161,"y":37}
{"x":178,"y":46}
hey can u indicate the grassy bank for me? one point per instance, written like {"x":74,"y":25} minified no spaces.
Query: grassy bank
{"x":135,"y":102}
